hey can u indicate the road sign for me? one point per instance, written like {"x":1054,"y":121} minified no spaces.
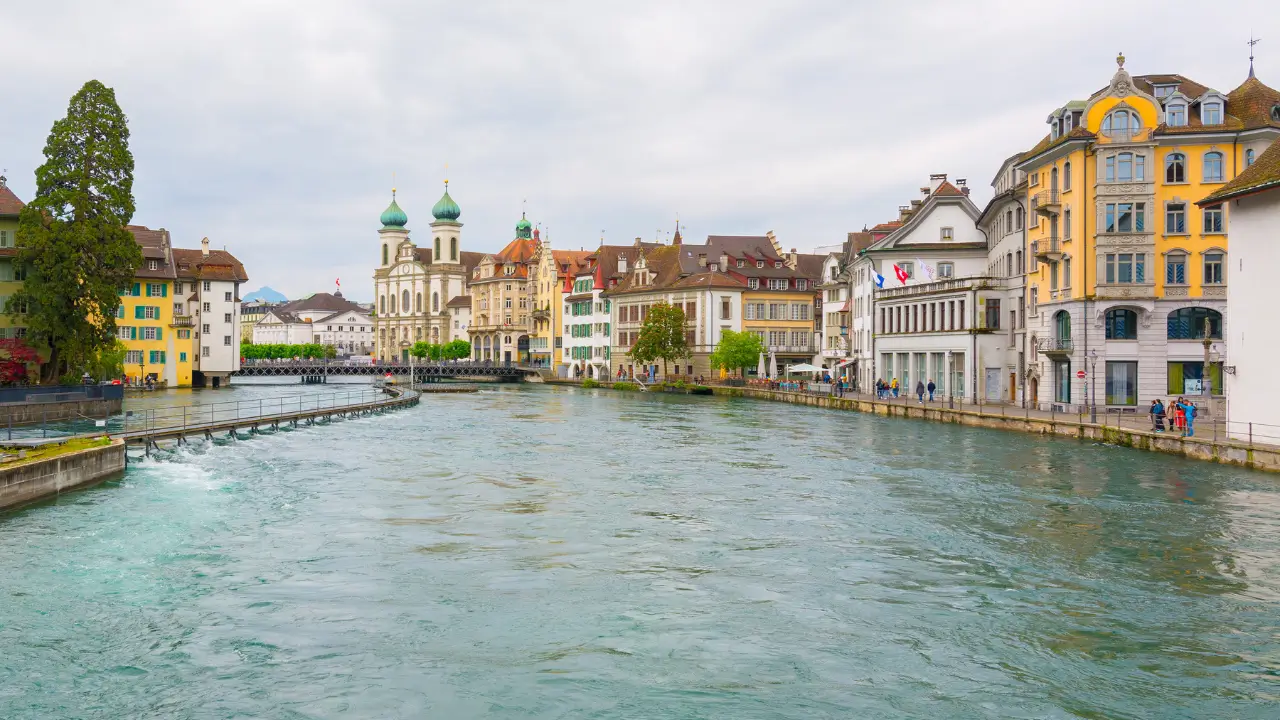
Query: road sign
{"x":1080,"y":374}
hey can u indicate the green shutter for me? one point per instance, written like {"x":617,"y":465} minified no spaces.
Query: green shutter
{"x":164,"y":290}
{"x":137,"y":313}
{"x":159,"y":334}
{"x":137,"y":290}
{"x":133,"y":333}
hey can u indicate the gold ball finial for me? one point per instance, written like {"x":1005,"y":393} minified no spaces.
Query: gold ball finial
{"x":1120,"y":60}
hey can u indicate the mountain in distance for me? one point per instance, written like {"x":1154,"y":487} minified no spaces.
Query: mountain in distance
{"x":265,"y":294}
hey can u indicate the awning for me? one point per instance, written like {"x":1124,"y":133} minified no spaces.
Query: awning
{"x":846,"y":362}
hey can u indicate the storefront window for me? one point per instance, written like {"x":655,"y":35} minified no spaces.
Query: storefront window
{"x":1122,"y":383}
{"x":1187,"y":378}
{"x":1062,"y":381}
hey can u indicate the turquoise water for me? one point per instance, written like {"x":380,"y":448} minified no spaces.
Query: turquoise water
{"x":550,"y":553}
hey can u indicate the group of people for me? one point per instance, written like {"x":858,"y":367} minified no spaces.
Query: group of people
{"x":891,"y":388}
{"x":1180,"y":413}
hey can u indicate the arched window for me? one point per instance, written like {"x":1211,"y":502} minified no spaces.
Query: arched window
{"x":1248,"y":157}
{"x":1121,"y":123}
{"x":1008,"y":264}
{"x":404,"y":301}
{"x":435,"y":302}
{"x":1008,"y":221}
{"x":1066,"y":175}
{"x":437,"y":249}
{"x":385,"y":257}
{"x":1188,"y":323}
{"x":1122,"y":324}
{"x":1053,"y":179}
{"x":1066,"y":224}
{"x":1017,"y":219}
{"x":435,"y":334}
{"x":1175,"y":168}
{"x":417,"y":333}
{"x":417,"y":302}
{"x":453,"y":249}
{"x":382,"y":304}
{"x":1062,"y":325}
{"x":393,"y":303}
{"x":1213,"y":167}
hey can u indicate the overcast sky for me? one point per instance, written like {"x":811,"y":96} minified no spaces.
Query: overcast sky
{"x":274,"y":128}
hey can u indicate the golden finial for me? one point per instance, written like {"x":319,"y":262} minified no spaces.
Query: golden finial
{"x":446,"y":177}
{"x":1120,"y":60}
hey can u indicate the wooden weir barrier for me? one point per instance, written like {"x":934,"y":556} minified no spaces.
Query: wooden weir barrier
{"x":145,"y":428}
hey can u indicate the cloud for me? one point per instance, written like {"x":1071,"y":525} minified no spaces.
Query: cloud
{"x":274,"y":128}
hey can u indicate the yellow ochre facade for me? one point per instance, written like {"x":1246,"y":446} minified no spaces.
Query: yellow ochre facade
{"x":145,"y":322}
{"x":1125,"y":269}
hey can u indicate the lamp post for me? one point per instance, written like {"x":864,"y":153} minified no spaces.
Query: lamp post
{"x":1206,"y":380}
{"x":1093,"y":398}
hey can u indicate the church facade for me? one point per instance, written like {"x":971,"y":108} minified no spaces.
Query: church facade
{"x":414,"y":287}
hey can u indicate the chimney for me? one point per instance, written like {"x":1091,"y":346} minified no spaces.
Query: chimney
{"x":724,"y":261}
{"x":622,"y":262}
{"x":935,"y":182}
{"x":963,"y":185}
{"x":924,"y":191}
{"x":204,"y":247}
{"x":702,"y":260}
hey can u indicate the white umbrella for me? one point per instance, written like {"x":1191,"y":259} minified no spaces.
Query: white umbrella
{"x":760,"y":370}
{"x":773,"y":365}
{"x":803,"y":367}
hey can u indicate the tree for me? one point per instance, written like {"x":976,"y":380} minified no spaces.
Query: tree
{"x":420,"y":349}
{"x":108,"y":361}
{"x":661,"y":336}
{"x":17,"y":360}
{"x":737,"y":350}
{"x":457,"y":350}
{"x":72,"y":234}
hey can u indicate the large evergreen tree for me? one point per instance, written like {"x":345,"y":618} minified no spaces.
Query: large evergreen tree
{"x":72,"y":234}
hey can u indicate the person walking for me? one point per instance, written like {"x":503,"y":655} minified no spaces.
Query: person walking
{"x":1157,"y":415}
{"x":920,"y":391}
{"x":894,"y":386}
{"x":932,"y":388}
{"x":1189,"y":413}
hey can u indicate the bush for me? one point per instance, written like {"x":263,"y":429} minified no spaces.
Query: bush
{"x":625,"y":386}
{"x":700,"y":390}
{"x":590,"y":383}
{"x":680,"y":385}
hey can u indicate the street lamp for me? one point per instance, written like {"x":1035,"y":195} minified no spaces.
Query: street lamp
{"x":1206,"y":380}
{"x":1093,"y":383}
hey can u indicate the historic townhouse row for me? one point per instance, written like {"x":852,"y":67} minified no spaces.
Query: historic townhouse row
{"x":1092,"y":276}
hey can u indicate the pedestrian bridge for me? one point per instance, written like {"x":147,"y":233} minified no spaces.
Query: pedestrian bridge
{"x":318,"y":371}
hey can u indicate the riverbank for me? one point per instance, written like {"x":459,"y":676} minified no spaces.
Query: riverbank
{"x":1227,"y":452}
{"x":25,"y":481}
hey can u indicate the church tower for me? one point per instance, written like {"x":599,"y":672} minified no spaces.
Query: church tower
{"x":446,"y":244}
{"x":393,"y":232}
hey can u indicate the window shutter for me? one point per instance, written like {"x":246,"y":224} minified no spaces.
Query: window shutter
{"x":133,"y":333}
{"x":159,"y":334}
{"x":137,"y":289}
{"x":164,"y":290}
{"x":137,"y":313}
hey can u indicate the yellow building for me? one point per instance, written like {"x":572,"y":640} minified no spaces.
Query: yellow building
{"x":500,"y":297}
{"x":781,"y":290}
{"x":550,"y":279}
{"x":160,"y":344}
{"x":11,"y":275}
{"x":1126,"y":270}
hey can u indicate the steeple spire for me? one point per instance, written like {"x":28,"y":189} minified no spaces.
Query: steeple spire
{"x":1252,"y":41}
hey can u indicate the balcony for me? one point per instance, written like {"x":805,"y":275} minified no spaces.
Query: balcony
{"x":182,"y":321}
{"x":1047,"y":202}
{"x":542,"y":314}
{"x":1124,"y":135}
{"x":792,"y":349}
{"x":1125,"y":291}
{"x":834,"y":353}
{"x":1056,"y":346}
{"x":1048,"y":250}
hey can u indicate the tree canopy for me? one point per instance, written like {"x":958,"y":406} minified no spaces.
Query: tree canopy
{"x":452,"y":350}
{"x":72,"y":236}
{"x":662,"y":336}
{"x":737,"y":351}
{"x":309,"y":351}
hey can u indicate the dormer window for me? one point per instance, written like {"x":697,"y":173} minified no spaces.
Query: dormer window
{"x":153,"y":264}
{"x":1165,"y":90}
{"x":741,"y":263}
{"x":1066,"y":123}
{"x":777,"y":264}
{"x":1211,"y":113}
{"x":759,"y":263}
{"x":1176,"y":115}
{"x":1121,"y":124}
{"x":1248,"y":157}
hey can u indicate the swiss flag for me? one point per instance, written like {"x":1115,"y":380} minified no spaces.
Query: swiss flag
{"x":902,"y":274}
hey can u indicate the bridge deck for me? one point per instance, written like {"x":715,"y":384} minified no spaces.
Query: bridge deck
{"x":178,"y":422}
{"x":423,"y":371}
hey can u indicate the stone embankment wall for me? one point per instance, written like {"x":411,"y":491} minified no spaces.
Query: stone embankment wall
{"x":31,"y":481}
{"x":1220,"y":451}
{"x":16,"y":414}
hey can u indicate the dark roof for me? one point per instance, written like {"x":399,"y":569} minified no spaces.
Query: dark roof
{"x":331,"y":316}
{"x":1263,"y":174}
{"x":810,"y":266}
{"x":459,"y":301}
{"x":9,"y":203}
{"x":663,"y":262}
{"x":1253,"y":102}
{"x":320,"y":301}
{"x":858,"y":241}
{"x":217,"y":265}
{"x":468,"y":259}
{"x":155,"y":246}
{"x":708,"y":279}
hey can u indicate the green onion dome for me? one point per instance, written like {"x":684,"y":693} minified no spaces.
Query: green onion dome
{"x":524,"y":228}
{"x":393,"y":216}
{"x":446,"y":209}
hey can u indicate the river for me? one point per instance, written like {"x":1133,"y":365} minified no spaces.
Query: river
{"x":535,"y":552}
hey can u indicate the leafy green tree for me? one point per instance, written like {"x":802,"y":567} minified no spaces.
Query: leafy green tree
{"x":662,"y":336}
{"x":72,"y":234}
{"x":457,"y":350}
{"x":420,"y":349}
{"x":107,"y":362}
{"x":737,"y":351}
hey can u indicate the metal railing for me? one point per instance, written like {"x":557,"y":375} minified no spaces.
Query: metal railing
{"x":1046,"y":198}
{"x":175,"y":417}
{"x":1048,"y":246}
{"x":1056,"y":345}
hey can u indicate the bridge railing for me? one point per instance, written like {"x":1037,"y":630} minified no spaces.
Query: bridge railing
{"x":194,"y":417}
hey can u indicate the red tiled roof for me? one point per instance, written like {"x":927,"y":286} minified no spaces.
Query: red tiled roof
{"x":1263,"y":174}
{"x":9,"y":203}
{"x":460,"y":301}
{"x":709,"y":279}
{"x":1253,"y":102}
{"x":218,"y":265}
